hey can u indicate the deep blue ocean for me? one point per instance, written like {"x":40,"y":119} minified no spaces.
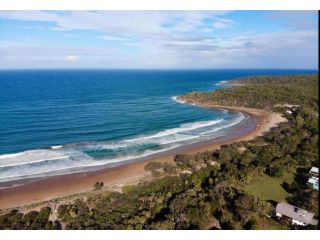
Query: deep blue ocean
{"x":61,"y":121}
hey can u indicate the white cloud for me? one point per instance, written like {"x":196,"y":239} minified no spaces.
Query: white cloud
{"x":222,"y":23}
{"x":115,"y":38}
{"x":270,"y":50}
{"x":164,"y":39}
{"x":121,"y":23}
{"x":71,"y":58}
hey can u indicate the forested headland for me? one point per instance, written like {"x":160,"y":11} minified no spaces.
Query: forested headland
{"x":263,"y":92}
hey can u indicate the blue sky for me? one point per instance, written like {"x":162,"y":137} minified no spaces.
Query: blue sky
{"x":158,"y":39}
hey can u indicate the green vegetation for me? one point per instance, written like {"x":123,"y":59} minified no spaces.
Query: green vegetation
{"x":31,"y":220}
{"x":290,"y":80}
{"x":263,"y":92}
{"x":231,"y":188}
{"x":270,"y":188}
{"x":264,"y":223}
{"x":157,"y":169}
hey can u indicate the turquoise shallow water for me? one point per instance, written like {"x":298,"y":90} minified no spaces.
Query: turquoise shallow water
{"x":61,"y":121}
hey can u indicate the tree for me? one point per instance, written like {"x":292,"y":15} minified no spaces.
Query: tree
{"x":251,"y":225}
{"x":98,"y":185}
{"x":153,"y":166}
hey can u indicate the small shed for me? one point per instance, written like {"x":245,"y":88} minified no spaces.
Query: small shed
{"x":314,"y":178}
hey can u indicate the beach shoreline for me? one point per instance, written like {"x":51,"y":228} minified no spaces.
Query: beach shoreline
{"x":45,"y":189}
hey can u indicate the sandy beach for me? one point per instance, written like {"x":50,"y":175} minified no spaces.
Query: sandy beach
{"x":65,"y":185}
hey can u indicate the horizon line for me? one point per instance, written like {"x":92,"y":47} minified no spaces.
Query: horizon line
{"x":133,"y":69}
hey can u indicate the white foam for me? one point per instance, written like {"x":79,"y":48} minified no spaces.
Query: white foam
{"x":31,"y":162}
{"x":73,"y":169}
{"x":223,"y":110}
{"x":221,"y":83}
{"x":238,"y":120}
{"x":30,"y":156}
{"x":10,"y":155}
{"x":178,"y":138}
{"x":112,"y":146}
{"x":182,"y":128}
{"x":64,"y":160}
{"x":56,"y":147}
{"x":175,"y":98}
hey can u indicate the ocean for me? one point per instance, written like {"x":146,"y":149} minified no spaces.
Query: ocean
{"x":56,"y":122}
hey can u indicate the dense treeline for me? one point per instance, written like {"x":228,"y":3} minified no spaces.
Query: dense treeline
{"x":31,"y":220}
{"x":278,"y":80}
{"x":203,"y":190}
{"x":275,"y":90}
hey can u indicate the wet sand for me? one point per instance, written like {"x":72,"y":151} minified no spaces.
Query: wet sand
{"x":44,"y":189}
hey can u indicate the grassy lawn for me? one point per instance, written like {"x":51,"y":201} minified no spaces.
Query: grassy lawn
{"x":269,"y":188}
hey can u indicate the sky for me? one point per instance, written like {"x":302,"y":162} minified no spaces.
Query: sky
{"x":159,"y":39}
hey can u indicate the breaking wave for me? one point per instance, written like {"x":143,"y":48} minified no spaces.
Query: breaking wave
{"x":70,"y":158}
{"x":175,"y":98}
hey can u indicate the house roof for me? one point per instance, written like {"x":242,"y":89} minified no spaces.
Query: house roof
{"x":295,"y":213}
{"x":314,"y":170}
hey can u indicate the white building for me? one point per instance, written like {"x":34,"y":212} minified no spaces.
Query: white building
{"x":295,"y":215}
{"x":314,"y":178}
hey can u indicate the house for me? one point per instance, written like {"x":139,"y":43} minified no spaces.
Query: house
{"x":314,"y":178}
{"x":314,"y":171}
{"x":295,"y":215}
